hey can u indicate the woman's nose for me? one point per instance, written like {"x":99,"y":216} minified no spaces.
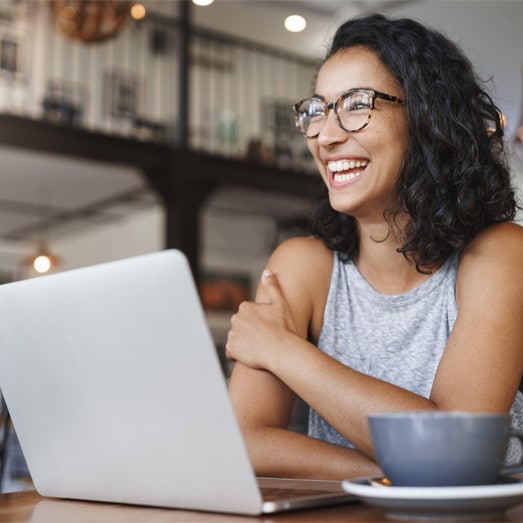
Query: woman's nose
{"x":331,"y":132}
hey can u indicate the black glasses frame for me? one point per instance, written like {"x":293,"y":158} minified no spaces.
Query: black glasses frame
{"x":371,"y":93}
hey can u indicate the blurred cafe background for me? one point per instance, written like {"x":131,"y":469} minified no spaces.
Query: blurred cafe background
{"x":129,"y":127}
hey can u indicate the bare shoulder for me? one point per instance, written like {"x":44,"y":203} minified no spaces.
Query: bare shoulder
{"x":495,"y":256}
{"x":501,"y":243}
{"x":303,"y":253}
{"x":303,"y":267}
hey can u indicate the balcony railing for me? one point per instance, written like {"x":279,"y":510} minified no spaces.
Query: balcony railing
{"x":238,"y":98}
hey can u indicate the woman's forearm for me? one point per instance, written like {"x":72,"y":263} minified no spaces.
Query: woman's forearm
{"x":278,"y":452}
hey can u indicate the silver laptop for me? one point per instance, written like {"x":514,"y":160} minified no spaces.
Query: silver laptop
{"x":116,"y":392}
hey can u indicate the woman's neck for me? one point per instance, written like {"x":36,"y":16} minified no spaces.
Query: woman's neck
{"x":379,"y":262}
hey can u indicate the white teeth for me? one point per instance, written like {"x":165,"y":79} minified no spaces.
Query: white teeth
{"x":345,"y":165}
{"x":346,"y":177}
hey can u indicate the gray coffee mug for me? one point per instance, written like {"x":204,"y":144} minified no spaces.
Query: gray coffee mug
{"x":442,"y":448}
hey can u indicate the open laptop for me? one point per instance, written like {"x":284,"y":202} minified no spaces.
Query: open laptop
{"x":116,"y":392}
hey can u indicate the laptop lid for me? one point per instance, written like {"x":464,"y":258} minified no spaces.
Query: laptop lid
{"x":116,"y":392}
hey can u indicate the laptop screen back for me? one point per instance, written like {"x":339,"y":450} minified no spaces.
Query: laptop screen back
{"x":116,"y":391}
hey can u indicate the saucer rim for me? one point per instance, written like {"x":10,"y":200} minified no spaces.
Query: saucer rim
{"x":361,"y":487}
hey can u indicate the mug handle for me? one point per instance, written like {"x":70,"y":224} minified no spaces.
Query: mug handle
{"x":514,"y":469}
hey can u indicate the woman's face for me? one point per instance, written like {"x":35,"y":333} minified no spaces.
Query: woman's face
{"x":360,"y":169}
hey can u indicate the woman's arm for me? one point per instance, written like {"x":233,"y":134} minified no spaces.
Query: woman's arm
{"x":480,"y":369}
{"x":270,"y":339}
{"x":262,"y":402}
{"x":483,"y":362}
{"x":263,"y":405}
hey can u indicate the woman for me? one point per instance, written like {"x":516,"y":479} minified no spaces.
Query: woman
{"x":409,"y":296}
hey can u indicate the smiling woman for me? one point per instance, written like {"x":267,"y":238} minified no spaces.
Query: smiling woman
{"x":380,"y":310}
{"x":371,"y":149}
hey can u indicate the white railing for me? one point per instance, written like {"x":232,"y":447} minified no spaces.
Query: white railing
{"x":239,"y":100}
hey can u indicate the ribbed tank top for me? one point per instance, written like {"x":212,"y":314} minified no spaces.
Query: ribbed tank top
{"x":398,"y":339}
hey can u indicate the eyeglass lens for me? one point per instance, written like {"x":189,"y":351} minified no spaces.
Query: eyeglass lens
{"x":353,"y":111}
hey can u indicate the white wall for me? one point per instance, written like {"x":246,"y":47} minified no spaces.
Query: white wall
{"x":138,"y":233}
{"x":490,"y":33}
{"x":133,"y":234}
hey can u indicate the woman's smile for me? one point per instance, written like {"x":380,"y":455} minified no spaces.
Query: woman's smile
{"x":346,"y":170}
{"x":360,"y":168}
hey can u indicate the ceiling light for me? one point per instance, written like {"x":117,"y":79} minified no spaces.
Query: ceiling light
{"x":295,"y":23}
{"x":202,"y":3}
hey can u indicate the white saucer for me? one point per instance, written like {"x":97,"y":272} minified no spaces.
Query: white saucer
{"x":475,"y":502}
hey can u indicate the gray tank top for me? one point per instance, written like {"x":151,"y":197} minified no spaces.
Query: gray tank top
{"x":398,"y":339}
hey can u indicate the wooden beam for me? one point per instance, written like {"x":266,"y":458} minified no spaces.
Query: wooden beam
{"x":162,"y":159}
{"x":182,"y":178}
{"x":76,"y":142}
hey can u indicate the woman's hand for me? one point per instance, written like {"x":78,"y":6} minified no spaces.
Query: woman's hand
{"x":259,"y":329}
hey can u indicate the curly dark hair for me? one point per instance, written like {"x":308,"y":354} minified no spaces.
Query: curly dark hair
{"x":454,"y":180}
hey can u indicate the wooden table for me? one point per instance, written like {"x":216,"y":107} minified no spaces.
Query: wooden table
{"x":29,"y":507}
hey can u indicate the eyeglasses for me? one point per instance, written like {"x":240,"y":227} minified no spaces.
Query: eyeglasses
{"x":353,"y":110}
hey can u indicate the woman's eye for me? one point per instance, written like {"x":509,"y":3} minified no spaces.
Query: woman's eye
{"x":356,"y":101}
{"x":314,"y":109}
{"x":355,"y":105}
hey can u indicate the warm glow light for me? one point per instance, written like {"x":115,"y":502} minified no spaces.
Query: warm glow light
{"x":138,"y":11}
{"x":202,"y":3}
{"x":42,"y":263}
{"x":295,"y":23}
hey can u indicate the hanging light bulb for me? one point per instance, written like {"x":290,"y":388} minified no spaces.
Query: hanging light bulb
{"x":43,"y":261}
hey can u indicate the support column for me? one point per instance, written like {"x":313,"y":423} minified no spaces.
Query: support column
{"x":183,"y":209}
{"x":183,"y":196}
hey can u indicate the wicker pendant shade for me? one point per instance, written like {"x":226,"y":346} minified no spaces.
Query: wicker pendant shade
{"x":90,"y":21}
